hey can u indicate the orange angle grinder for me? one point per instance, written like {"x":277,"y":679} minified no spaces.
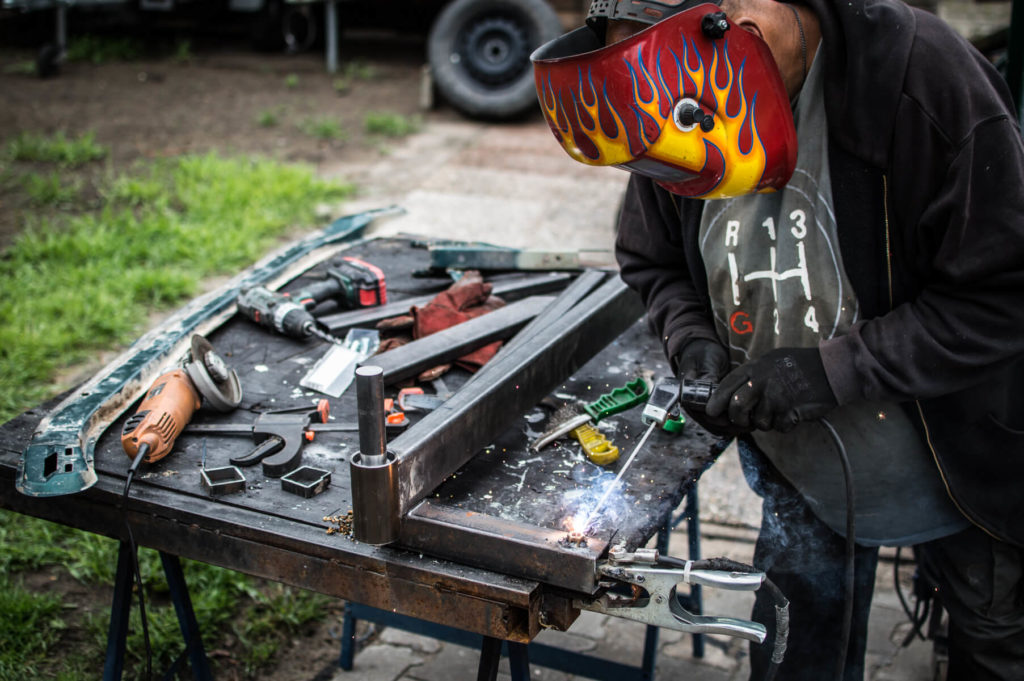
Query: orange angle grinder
{"x":205,"y":380}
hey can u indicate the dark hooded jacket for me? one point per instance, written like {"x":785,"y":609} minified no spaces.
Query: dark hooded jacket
{"x":927,"y":168}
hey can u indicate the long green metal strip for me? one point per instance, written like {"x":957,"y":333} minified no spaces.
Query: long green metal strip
{"x":59,"y":458}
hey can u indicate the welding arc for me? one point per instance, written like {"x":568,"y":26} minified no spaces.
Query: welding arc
{"x":618,"y":478}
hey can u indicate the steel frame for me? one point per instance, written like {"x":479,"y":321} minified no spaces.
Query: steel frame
{"x":421,"y":458}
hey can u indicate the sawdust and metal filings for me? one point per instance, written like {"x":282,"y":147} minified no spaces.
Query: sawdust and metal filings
{"x":340,"y":524}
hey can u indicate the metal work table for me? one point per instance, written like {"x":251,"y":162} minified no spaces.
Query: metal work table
{"x":270,"y":533}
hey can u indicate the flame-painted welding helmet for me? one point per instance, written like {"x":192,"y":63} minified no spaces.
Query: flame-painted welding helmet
{"x":692,"y":101}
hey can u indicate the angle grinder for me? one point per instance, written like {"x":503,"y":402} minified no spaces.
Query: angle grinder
{"x":205,"y":380}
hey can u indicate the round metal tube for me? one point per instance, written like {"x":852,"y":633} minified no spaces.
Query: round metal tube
{"x":371,"y":418}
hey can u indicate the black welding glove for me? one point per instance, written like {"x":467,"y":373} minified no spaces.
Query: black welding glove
{"x":776,"y":392}
{"x":705,"y":360}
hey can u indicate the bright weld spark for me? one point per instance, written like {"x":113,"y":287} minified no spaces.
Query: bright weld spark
{"x":618,"y":478}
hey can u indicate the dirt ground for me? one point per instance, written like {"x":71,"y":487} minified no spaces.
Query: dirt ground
{"x":218,"y":94}
{"x":212,"y":98}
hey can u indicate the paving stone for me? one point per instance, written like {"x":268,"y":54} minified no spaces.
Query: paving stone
{"x":566,"y":641}
{"x":882,"y":623}
{"x":718,"y":652}
{"x":589,"y":624}
{"x":450,"y":663}
{"x":421,"y":644}
{"x":380,"y":663}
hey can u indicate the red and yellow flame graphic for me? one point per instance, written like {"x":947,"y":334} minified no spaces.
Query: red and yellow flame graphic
{"x":615,"y":106}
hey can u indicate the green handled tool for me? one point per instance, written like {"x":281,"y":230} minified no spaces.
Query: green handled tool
{"x":620,"y":399}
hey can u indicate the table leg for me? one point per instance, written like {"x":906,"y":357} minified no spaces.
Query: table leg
{"x":119,"y":613}
{"x":186,"y":617}
{"x":490,"y":657}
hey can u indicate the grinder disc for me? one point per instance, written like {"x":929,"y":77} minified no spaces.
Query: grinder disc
{"x":216,"y":382}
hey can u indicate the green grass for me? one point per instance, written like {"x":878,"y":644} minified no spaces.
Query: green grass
{"x":72,"y":286}
{"x":50,"y":189}
{"x":358,"y":69}
{"x":30,"y":629}
{"x":268,"y":118}
{"x":101,"y":49}
{"x":56,"y":148}
{"x":77,"y":283}
{"x":291,"y":81}
{"x":323,"y":128}
{"x":31,"y":624}
{"x":391,"y":124}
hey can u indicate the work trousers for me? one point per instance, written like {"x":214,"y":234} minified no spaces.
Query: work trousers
{"x":978,"y":580}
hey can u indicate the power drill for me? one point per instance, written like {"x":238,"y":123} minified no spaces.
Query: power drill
{"x":353,"y":282}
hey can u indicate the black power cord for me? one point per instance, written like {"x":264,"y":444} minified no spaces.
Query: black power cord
{"x":844,"y":459}
{"x":136,"y":571}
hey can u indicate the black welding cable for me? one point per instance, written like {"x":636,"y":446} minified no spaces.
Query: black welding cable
{"x":844,"y":638}
{"x":137,"y":572}
{"x":917,"y":618}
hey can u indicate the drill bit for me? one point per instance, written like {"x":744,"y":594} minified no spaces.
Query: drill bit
{"x":323,"y":335}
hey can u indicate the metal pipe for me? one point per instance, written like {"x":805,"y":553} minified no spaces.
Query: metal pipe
{"x":370,"y":409}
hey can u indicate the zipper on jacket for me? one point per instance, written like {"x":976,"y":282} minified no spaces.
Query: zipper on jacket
{"x":888,"y":242}
{"x":942,"y":474}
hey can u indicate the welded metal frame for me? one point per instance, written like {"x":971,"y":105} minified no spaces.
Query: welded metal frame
{"x":410,"y":359}
{"x":421,"y":458}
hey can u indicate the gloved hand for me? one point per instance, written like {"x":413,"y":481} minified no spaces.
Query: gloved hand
{"x":705,"y":360}
{"x":776,"y":392}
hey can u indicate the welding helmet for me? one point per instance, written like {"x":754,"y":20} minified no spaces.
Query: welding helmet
{"x":692,"y":101}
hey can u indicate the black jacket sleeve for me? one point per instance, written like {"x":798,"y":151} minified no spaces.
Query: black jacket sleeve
{"x":651,"y":249}
{"x":965,"y":322}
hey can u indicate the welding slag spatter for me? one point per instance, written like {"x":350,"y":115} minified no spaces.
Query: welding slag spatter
{"x":661,"y":411}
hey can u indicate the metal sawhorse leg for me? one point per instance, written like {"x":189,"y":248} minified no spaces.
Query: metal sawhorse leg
{"x":520,"y":654}
{"x":121,"y":609}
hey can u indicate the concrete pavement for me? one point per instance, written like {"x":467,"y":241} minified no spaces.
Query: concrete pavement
{"x":510,"y":184}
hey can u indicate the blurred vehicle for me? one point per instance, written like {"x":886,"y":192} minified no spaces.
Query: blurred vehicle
{"x":478,"y":50}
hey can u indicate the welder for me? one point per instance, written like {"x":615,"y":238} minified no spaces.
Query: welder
{"x":825,"y":217}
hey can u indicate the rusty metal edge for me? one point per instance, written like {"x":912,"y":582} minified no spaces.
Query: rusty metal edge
{"x":502,"y":545}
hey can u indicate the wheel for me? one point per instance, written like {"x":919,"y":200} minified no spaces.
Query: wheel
{"x":300,"y":28}
{"x":479,"y":54}
{"x":48,"y":60}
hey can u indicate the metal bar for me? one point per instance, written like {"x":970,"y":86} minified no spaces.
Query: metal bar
{"x":186,"y":617}
{"x":512,"y":288}
{"x":514,"y":548}
{"x":442,"y":441}
{"x":489,"y":258}
{"x":59,"y":458}
{"x":444,"y":346}
{"x":370,"y":406}
{"x":331,"y":19}
{"x":573,"y":293}
{"x":117,"y":632}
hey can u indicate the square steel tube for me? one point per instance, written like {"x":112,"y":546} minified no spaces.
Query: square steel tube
{"x":518,"y":549}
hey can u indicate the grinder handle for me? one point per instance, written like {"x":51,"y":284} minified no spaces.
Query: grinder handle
{"x":164,"y":412}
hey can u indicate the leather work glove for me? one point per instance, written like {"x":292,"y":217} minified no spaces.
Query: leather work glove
{"x":776,"y":392}
{"x":705,"y":360}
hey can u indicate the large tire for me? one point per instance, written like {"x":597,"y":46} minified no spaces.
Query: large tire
{"x":479,"y":54}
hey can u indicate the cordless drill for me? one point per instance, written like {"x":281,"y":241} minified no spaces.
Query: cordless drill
{"x":352,"y":282}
